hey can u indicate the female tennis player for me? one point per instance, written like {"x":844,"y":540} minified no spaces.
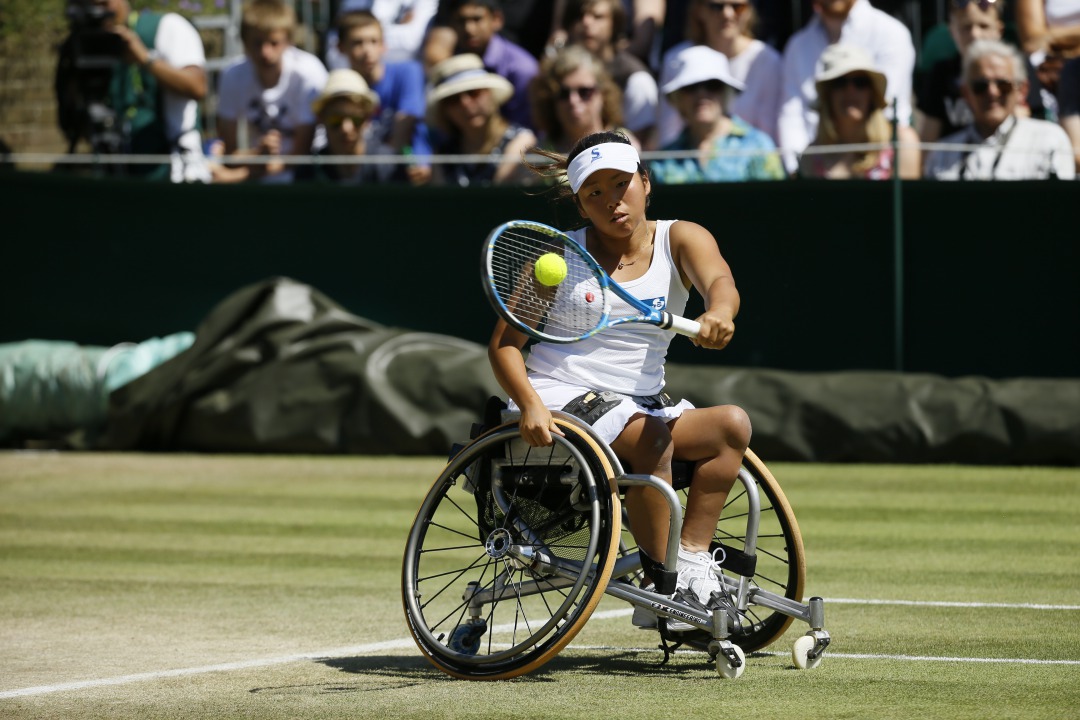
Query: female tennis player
{"x":614,"y":380}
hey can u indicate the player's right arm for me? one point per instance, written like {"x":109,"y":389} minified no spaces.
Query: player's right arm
{"x":504,"y":353}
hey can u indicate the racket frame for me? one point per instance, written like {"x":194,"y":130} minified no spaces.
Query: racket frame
{"x":645,"y":314}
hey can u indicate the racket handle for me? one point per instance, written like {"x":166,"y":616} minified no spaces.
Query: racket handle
{"x":681,"y":325}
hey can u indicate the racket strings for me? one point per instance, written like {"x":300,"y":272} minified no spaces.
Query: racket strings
{"x":578,"y":309}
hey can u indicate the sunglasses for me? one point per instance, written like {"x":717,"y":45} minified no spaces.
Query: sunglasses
{"x":336,"y":121}
{"x":712,"y":86}
{"x":720,"y":7}
{"x":984,"y":5}
{"x":982,"y":86}
{"x":859,"y":82}
{"x":585,"y":93}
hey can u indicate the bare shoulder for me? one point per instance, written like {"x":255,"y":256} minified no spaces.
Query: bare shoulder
{"x":687,"y":234}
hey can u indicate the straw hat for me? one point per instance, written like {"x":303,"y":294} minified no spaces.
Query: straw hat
{"x":462,"y":73}
{"x":838,"y":60}
{"x":699,"y":63}
{"x":349,"y":84}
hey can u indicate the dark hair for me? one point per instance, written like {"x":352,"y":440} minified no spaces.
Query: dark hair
{"x":576,"y":9}
{"x":452,"y":6}
{"x":350,"y":21}
{"x":597,"y":138}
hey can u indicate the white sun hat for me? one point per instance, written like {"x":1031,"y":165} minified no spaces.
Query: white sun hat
{"x":698,"y":63}
{"x":839,"y":60}
{"x":349,"y":84}
{"x":462,"y":73}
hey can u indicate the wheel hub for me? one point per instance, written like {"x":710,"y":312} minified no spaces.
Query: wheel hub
{"x":498,"y":543}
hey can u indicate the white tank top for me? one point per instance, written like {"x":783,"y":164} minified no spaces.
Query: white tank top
{"x":627,"y":359}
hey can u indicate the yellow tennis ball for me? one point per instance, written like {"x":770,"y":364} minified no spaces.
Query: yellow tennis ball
{"x":550,"y":269}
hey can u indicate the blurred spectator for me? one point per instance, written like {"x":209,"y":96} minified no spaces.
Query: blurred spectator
{"x":272,"y":89}
{"x":1069,"y":92}
{"x":463,"y":107}
{"x":472,"y":26}
{"x":944,"y":110}
{"x":851,"y":22}
{"x":1049,"y":32}
{"x":727,"y":147}
{"x":573,"y":96}
{"x":1010,"y":147}
{"x":600,"y":27}
{"x":145,"y":100}
{"x":398,"y":126}
{"x":528,"y":23}
{"x":644,"y":23}
{"x":851,"y":103}
{"x":345,"y":109}
{"x":727,"y":27}
{"x":404,"y":25}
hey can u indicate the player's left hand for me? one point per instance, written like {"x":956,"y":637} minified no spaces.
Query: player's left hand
{"x":717,"y":327}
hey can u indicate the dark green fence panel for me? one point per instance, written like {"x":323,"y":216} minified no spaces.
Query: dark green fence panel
{"x":991,"y":284}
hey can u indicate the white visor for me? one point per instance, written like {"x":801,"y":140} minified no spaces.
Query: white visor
{"x":605,"y":156}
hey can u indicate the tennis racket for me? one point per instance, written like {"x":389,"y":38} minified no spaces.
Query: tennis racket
{"x":577,"y":307}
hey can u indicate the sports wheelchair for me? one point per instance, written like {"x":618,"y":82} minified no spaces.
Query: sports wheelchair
{"x":514,"y":546}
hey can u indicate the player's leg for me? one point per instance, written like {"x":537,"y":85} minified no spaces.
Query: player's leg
{"x":715,"y":439}
{"x":645,"y":446}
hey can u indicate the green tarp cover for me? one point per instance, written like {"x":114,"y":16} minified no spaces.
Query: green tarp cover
{"x":279,"y":367}
{"x":53,"y":389}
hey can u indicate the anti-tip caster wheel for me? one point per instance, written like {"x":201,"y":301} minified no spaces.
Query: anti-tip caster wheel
{"x":726,"y":666}
{"x":800,"y":653}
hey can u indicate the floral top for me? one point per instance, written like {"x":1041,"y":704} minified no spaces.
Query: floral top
{"x":745,"y":153}
{"x":818,"y":165}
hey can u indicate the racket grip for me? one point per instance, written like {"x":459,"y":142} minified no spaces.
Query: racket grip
{"x":683,"y":326}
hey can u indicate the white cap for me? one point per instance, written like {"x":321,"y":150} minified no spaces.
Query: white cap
{"x":605,"y":156}
{"x":696,"y":64}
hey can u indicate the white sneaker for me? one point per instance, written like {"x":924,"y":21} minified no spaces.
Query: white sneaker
{"x":645,"y":618}
{"x":697,"y":575}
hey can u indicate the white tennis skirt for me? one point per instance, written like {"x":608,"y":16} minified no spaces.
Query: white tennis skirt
{"x":557,"y":393}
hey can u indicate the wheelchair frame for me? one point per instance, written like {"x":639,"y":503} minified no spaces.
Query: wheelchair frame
{"x":546,"y":540}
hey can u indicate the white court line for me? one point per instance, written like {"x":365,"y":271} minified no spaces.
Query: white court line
{"x":935,"y":603}
{"x":853,"y":656}
{"x":606,"y":615}
{"x":222,"y":667}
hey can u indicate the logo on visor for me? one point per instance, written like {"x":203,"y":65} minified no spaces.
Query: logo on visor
{"x":595,"y":154}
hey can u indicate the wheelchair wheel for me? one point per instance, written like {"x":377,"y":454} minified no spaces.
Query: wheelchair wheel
{"x":781,"y":563}
{"x":510,"y":553}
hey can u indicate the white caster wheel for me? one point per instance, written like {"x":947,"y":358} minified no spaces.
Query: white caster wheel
{"x":800,"y":653}
{"x":724,"y":667}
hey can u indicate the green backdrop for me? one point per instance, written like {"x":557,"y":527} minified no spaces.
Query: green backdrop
{"x":990,"y":286}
